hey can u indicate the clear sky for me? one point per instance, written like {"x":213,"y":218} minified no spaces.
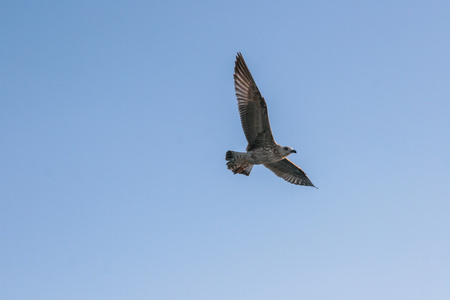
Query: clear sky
{"x":115,"y":117}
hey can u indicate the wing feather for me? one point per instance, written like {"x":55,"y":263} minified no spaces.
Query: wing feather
{"x":252,"y":107}
{"x":289,"y":172}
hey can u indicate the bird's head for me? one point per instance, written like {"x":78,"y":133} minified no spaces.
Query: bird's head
{"x":286,"y":151}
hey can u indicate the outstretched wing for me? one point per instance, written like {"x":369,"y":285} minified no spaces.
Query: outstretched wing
{"x":252,"y":107}
{"x":290,"y":172}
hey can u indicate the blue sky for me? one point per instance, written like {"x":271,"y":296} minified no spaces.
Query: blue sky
{"x":115,"y":117}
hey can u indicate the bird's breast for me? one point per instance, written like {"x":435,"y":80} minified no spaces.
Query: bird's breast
{"x":262,"y":156}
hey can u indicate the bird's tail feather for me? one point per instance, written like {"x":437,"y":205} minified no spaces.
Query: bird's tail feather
{"x":237,"y":163}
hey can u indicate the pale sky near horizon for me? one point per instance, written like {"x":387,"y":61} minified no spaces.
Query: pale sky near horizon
{"x":115,"y":117}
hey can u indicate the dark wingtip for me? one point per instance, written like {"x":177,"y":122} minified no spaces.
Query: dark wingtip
{"x":312,"y":185}
{"x":239,"y":56}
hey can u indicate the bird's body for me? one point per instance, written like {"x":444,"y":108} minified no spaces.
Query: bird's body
{"x":265,"y":155}
{"x":262,"y":148}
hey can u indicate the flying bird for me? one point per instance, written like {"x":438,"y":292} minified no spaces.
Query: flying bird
{"x":262,"y":148}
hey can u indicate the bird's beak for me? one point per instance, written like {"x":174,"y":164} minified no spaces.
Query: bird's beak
{"x":293,"y":151}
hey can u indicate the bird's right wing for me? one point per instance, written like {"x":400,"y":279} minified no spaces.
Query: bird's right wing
{"x":289,"y":172}
{"x":252,"y":107}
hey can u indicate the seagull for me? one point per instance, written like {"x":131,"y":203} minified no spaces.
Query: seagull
{"x":262,"y":148}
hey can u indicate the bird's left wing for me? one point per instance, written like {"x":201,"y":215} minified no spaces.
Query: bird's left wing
{"x":252,"y":107}
{"x":289,"y":172}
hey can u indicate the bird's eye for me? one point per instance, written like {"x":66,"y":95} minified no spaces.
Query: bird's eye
{"x":285,"y":148}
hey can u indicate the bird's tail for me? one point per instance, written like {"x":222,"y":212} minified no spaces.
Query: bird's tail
{"x":237,"y":163}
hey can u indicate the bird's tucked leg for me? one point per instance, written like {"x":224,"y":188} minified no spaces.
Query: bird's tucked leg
{"x":237,"y":163}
